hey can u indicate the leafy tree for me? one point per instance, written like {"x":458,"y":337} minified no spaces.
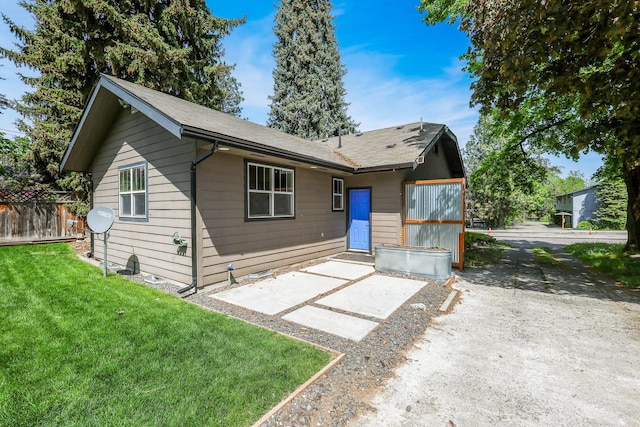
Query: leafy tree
{"x":573,"y":182}
{"x":13,"y":149}
{"x":503,"y":177}
{"x":571,"y":69}
{"x":496,"y":197}
{"x":540,"y":203}
{"x":308,"y":93}
{"x":168,"y":45}
{"x":442,"y":10}
{"x":481,"y":143}
{"x":16,"y":173}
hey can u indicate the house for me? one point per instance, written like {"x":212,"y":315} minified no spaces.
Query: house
{"x":579,"y":205}
{"x":196,"y":190}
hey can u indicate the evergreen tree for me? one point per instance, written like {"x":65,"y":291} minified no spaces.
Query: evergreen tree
{"x":169,"y":45}
{"x":308,"y":95}
{"x":612,"y":204}
{"x":4,"y":102}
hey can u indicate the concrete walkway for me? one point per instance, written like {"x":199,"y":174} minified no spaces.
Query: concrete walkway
{"x":311,"y":296}
{"x":526,"y":346}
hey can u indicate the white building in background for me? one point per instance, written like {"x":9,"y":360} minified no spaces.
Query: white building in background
{"x":580,"y":205}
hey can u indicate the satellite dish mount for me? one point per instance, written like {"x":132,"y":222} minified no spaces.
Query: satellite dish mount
{"x":100,"y":220}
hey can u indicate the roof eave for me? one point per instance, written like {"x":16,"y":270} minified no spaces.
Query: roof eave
{"x":455,"y":141}
{"x":127,"y":99}
{"x":262,"y":149}
{"x":167,"y":122}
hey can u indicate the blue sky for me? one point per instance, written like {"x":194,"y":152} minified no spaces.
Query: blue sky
{"x":398,"y":69}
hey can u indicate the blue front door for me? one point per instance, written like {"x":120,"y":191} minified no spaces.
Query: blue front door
{"x":359,"y":212}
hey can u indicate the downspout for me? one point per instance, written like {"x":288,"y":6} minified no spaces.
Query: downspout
{"x":90,"y":177}
{"x":194,"y":234}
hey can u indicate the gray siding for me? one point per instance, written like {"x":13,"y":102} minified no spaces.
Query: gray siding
{"x":386,"y":205}
{"x":253,"y":246}
{"x":134,"y":138}
{"x":584,"y":205}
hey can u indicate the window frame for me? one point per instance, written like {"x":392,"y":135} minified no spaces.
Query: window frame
{"x":132,"y":216}
{"x":271,"y":192}
{"x":335,"y":179}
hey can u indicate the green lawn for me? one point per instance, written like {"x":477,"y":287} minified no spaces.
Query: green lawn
{"x":77,"y":349}
{"x":610,"y":259}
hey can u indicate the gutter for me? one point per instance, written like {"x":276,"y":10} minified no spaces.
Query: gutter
{"x":194,"y":234}
{"x":262,"y":149}
{"x":384,"y":168}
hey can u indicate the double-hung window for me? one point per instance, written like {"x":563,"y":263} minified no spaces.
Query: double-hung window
{"x":270,"y":191}
{"x":337,"y":194}
{"x":132,"y":183}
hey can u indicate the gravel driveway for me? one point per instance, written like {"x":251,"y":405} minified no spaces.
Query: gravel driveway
{"x":526,"y":346}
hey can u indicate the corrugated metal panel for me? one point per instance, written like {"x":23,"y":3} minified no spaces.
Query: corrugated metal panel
{"x":434,"y":201}
{"x":435,"y":235}
{"x":434,"y":216}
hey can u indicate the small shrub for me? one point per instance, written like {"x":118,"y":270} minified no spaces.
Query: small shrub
{"x":586,"y":225}
{"x":472,"y":239}
{"x":481,"y":249}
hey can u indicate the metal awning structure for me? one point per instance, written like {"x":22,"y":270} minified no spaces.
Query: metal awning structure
{"x":563,"y":214}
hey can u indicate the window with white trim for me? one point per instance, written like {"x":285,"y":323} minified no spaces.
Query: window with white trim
{"x":132,"y":184}
{"x":338,"y":194}
{"x":270,"y":191}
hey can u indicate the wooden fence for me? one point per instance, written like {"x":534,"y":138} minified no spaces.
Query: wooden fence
{"x":29,"y":215}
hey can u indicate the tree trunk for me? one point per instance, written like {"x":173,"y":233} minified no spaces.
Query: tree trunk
{"x":632,"y":180}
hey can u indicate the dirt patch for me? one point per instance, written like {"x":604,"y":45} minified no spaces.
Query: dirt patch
{"x":81,"y":247}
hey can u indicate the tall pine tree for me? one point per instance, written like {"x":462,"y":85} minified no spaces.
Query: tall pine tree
{"x":308,"y":95}
{"x":612,"y":204}
{"x":169,"y":45}
{"x":4,"y":102}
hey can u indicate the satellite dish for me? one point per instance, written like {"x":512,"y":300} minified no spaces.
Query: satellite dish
{"x":100,"y":219}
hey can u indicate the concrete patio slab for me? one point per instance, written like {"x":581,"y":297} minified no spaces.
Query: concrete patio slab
{"x":344,"y":270}
{"x":376,"y":296}
{"x":271,"y":296}
{"x":342,"y":325}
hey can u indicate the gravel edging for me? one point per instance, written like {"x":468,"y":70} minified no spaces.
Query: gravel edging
{"x":343,"y":391}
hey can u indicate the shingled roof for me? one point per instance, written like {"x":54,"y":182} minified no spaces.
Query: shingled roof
{"x":397,"y":146}
{"x":390,"y":148}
